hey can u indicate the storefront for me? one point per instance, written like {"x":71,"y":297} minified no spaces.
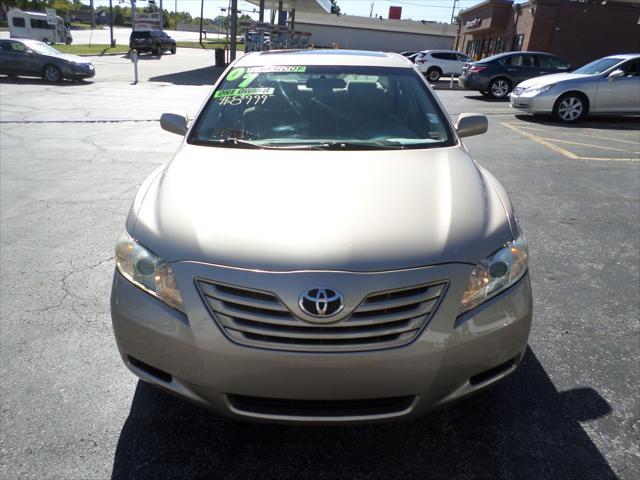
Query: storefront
{"x":576,"y":30}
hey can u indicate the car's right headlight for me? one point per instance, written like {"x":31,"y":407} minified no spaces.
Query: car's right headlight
{"x":496,"y":273}
{"x":147,"y":271}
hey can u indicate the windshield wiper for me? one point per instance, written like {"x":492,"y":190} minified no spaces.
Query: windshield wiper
{"x":358,"y":146}
{"x":236,"y":142}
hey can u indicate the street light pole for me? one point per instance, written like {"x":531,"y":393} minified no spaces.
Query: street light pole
{"x":175,"y":15}
{"x":453,"y":10}
{"x":201,"y":14}
{"x":234,"y":29}
{"x":111,"y":22}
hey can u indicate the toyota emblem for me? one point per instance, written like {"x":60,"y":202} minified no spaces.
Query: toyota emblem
{"x":321,"y":302}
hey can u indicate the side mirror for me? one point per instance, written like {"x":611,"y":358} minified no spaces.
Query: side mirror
{"x":470,"y":124}
{"x":616,"y":74}
{"x":173,"y":123}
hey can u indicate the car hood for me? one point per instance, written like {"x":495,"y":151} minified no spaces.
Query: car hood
{"x":284,"y":210}
{"x":550,"y":79}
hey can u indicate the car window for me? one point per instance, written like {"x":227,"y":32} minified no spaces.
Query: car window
{"x":462,"y":58}
{"x":365,"y":107}
{"x":632,"y":68}
{"x":40,"y":24}
{"x":519,"y":61}
{"x":18,"y":47}
{"x":444,"y":56}
{"x":598,"y":66}
{"x":18,"y":22}
{"x":546,"y":61}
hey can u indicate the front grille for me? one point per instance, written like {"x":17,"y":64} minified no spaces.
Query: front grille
{"x":320,"y":408}
{"x":382,"y":320}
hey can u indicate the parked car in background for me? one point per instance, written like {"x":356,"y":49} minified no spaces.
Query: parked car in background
{"x":34,"y":26}
{"x":496,"y":76}
{"x":412,"y":293}
{"x":436,"y":63}
{"x":410,"y":55}
{"x":37,"y":59}
{"x":152,"y":41}
{"x":607,"y":86}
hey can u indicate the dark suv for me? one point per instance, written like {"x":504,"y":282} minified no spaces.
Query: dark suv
{"x":496,"y":76}
{"x":153,"y":41}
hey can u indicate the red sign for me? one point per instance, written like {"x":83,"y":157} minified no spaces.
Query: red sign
{"x":395,"y":13}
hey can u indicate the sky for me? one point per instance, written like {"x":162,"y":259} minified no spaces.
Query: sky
{"x":438,"y":10}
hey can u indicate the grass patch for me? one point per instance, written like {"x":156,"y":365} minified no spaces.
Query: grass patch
{"x":207,"y":45}
{"x":80,"y":26}
{"x":91,"y":49}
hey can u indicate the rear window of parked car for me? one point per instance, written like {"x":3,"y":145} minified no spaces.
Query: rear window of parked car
{"x":144,"y":34}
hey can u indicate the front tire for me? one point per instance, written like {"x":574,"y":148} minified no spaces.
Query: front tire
{"x":570,"y":108}
{"x":51,"y":74}
{"x":173,"y":50}
{"x":434,"y":74}
{"x":68,"y":40}
{"x":499,"y":87}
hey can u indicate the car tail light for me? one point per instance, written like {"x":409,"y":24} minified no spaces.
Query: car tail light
{"x":421,"y":60}
{"x":476,"y":69}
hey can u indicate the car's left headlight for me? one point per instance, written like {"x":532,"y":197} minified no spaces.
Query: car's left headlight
{"x":537,"y":90}
{"x":147,"y":271}
{"x":496,"y":273}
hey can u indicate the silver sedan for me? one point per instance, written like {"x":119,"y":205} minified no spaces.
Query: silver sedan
{"x":607,"y":86}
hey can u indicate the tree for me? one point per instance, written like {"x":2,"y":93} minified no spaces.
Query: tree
{"x":335,"y":8}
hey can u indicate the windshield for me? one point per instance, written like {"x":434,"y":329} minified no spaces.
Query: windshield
{"x":322,"y":107}
{"x":43,"y":48}
{"x":598,"y":66}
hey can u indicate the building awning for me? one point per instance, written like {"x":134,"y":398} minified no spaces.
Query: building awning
{"x":301,"y":6}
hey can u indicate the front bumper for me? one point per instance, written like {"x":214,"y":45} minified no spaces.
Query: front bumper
{"x":78,"y":73}
{"x":190,"y":356}
{"x":541,"y":103}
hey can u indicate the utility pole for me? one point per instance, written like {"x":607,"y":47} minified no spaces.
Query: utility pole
{"x":93,"y":14}
{"x":201,"y":15}
{"x":161,"y":17}
{"x":234,"y":29}
{"x":453,"y":10}
{"x":111,"y":22}
{"x":133,"y":15}
{"x":175,"y":15}
{"x":261,"y":15}
{"x":371,"y":9}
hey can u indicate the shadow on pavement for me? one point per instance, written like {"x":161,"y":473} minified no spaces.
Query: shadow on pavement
{"x":487,"y":98}
{"x":199,"y":76}
{"x":522,"y":428}
{"x":39,"y":81}
{"x":603,"y":123}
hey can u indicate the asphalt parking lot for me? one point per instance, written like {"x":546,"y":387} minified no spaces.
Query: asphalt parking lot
{"x":71,"y":159}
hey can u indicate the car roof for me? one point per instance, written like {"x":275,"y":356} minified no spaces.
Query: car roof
{"x":362,"y":58}
{"x":440,"y":51}
{"x":624,"y":56}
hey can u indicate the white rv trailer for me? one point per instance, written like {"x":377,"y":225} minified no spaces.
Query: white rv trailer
{"x":34,"y":25}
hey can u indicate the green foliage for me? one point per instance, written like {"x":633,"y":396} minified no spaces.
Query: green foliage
{"x":335,"y":8}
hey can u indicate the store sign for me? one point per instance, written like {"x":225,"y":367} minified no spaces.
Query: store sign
{"x":148,"y":21}
{"x":475,"y":23}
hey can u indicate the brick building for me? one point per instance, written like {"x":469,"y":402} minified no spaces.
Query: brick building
{"x":576,"y":30}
